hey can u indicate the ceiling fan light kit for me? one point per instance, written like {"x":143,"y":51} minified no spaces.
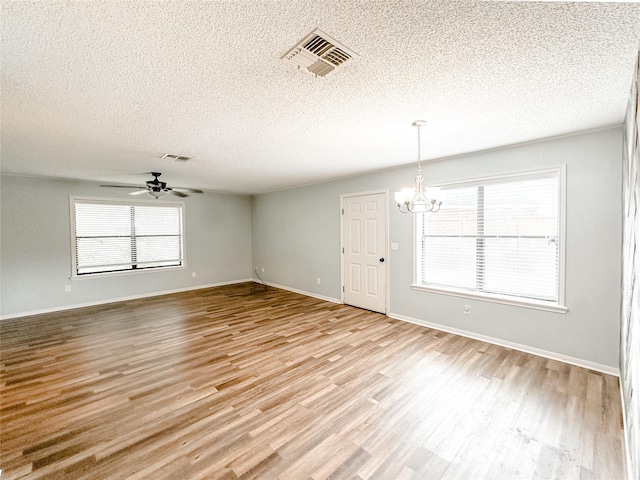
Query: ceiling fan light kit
{"x":419,"y":199}
{"x":157,"y":189}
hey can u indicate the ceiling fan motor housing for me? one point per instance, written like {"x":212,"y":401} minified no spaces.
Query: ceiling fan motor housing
{"x":156,"y":185}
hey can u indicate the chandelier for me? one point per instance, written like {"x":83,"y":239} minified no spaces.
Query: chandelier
{"x":419,"y":199}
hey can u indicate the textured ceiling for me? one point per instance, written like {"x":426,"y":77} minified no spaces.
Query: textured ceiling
{"x":100,"y":90}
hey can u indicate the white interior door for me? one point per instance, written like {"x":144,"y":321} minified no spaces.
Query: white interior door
{"x":364,"y":242}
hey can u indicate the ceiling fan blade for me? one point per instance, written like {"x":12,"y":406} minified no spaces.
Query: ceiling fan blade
{"x":190,"y":190}
{"x":123,"y":186}
{"x":179,"y":194}
{"x":139,"y":192}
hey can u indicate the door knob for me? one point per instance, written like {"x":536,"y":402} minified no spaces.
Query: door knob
{"x":382,"y":259}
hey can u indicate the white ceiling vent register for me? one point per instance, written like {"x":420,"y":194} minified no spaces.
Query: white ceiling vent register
{"x":319,"y":54}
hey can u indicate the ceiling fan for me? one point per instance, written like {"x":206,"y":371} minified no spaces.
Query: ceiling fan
{"x":156,"y":188}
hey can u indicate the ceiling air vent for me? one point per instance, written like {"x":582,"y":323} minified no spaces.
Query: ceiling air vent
{"x":319,"y":54}
{"x":175,"y":158}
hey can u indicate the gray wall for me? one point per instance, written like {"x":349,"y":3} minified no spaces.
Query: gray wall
{"x":35,"y":251}
{"x":296,"y":238}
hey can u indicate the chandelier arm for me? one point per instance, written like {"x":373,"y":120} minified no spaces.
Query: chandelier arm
{"x":401,"y":210}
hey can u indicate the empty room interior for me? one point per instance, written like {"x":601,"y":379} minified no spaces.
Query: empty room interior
{"x":319,"y":239}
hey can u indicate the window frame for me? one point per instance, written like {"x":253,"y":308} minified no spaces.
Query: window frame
{"x":557,"y":307}
{"x":114,"y":201}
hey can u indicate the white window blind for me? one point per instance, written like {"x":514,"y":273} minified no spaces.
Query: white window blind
{"x":499,"y":237}
{"x":113,"y":236}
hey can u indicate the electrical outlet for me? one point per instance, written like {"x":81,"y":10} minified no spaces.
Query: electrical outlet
{"x":318,"y":280}
{"x":193,"y":274}
{"x":467,"y":310}
{"x":67,"y":288}
{"x":262,"y":269}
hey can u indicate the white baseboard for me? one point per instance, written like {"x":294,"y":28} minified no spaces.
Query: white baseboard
{"x":120,"y":299}
{"x":301,"y":292}
{"x":515,"y":346}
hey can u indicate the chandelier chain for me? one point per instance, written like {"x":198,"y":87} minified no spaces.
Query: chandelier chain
{"x":419,"y":153}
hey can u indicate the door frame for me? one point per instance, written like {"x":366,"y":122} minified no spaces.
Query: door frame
{"x":385,"y":192}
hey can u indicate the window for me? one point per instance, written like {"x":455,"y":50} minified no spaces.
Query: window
{"x":112,"y":236}
{"x":500,"y":239}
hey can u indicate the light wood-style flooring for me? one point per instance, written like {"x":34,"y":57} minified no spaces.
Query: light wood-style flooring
{"x":238,"y":382}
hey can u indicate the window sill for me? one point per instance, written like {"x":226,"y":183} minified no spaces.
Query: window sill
{"x":537,"y":305}
{"x":120,"y":273}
